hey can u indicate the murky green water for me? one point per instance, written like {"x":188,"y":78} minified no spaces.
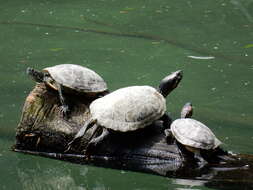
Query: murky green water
{"x":128,"y":43}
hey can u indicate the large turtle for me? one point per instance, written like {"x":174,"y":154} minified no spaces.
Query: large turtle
{"x":70,"y":78}
{"x":129,"y":109}
{"x":192,"y":134}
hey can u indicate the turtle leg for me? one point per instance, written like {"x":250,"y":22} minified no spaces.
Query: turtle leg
{"x":168,"y":133}
{"x":64,"y":106}
{"x":88,"y":124}
{"x":94,"y":142}
{"x":166,"y":121}
{"x":169,"y":136}
{"x":201,"y":161}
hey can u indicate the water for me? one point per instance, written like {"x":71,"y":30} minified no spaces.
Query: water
{"x":128,"y":43}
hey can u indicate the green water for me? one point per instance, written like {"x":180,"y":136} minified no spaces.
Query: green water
{"x":128,"y":43}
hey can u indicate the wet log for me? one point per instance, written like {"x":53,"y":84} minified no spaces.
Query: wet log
{"x":43,"y":131}
{"x":42,"y":126}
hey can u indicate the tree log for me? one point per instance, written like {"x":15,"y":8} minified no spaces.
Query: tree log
{"x":43,"y":131}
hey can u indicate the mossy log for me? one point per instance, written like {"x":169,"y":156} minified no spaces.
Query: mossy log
{"x":42,"y":126}
{"x":43,"y":131}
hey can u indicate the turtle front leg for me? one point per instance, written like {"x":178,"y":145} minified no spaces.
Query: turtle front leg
{"x":88,"y":124}
{"x":169,"y":136}
{"x":64,"y":106}
{"x":166,"y":121}
{"x":94,"y":142}
{"x":201,"y":161}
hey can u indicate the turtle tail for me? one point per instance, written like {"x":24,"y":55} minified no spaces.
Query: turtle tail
{"x":217,"y":143}
{"x":37,"y":76}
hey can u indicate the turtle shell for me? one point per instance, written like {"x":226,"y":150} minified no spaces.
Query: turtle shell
{"x":77,"y":78}
{"x":193,"y":133}
{"x":128,"y":109}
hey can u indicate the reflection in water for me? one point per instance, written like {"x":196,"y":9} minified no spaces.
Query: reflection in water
{"x":46,"y":181}
{"x":50,"y":174}
{"x":236,"y":171}
{"x":39,"y":177}
{"x":189,"y":183}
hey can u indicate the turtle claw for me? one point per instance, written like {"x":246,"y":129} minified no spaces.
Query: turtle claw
{"x":64,"y":110}
{"x":68,"y":148}
{"x":92,"y":145}
{"x":169,"y":136}
{"x":96,"y":141}
{"x":200,"y":161}
{"x":168,"y":133}
{"x":201,"y":164}
{"x":89,"y":149}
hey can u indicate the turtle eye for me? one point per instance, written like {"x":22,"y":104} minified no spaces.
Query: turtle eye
{"x":46,"y":74}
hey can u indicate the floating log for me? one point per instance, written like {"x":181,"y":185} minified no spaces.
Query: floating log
{"x":43,"y":131}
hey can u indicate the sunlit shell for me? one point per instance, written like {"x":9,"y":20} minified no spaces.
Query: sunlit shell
{"x":77,"y":77}
{"x":193,"y":133}
{"x":128,"y":109}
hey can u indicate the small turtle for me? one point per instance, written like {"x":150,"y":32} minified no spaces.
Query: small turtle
{"x":129,"y":109}
{"x":193,"y":134}
{"x":70,"y":78}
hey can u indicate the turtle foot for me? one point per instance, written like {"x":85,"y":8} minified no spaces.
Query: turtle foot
{"x":200,"y":162}
{"x":90,"y":148}
{"x":65,"y":111}
{"x":169,"y":136}
{"x":96,"y":141}
{"x":93,"y":144}
{"x":69,"y":146}
{"x":168,"y":133}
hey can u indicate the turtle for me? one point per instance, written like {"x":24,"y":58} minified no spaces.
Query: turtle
{"x":129,"y":109}
{"x":192,"y":134}
{"x":70,"y":78}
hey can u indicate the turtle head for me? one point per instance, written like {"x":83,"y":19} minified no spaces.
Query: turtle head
{"x":187,"y":110}
{"x":170,"y":82}
{"x":35,"y":75}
